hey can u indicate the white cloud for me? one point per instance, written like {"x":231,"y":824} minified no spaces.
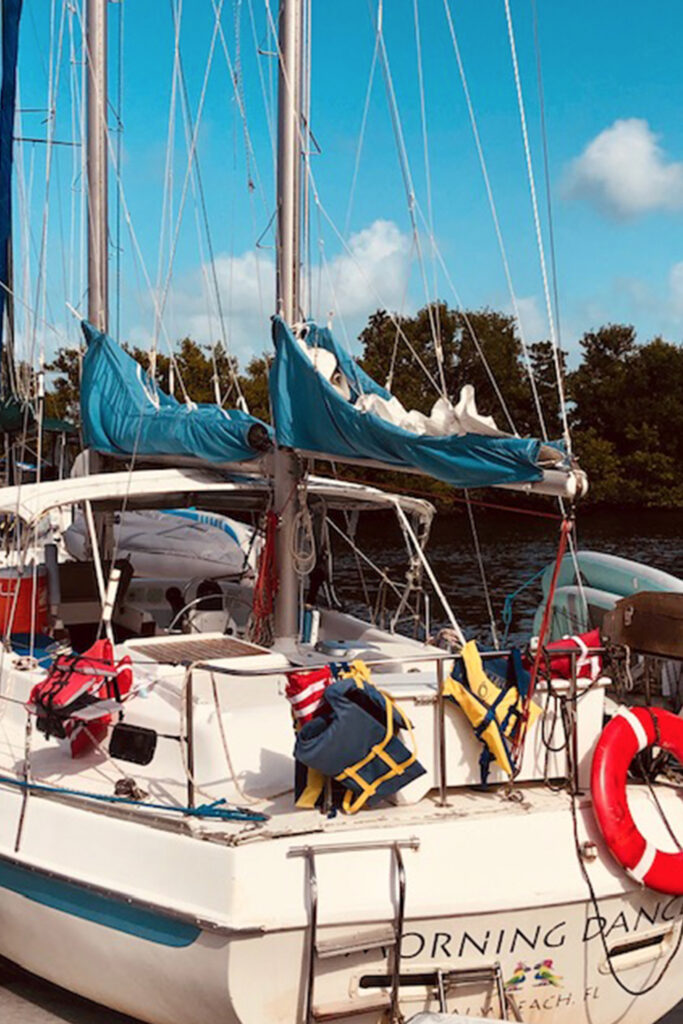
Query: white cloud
{"x":246,"y":285}
{"x":352,"y":284}
{"x":625,"y":171}
{"x":371,"y":273}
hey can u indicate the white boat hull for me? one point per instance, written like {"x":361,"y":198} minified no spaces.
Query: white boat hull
{"x":189,"y":931}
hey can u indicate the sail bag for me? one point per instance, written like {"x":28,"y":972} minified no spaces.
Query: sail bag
{"x":124,"y":412}
{"x":317,"y":407}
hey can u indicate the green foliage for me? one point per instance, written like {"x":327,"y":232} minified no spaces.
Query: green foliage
{"x":62,"y":396}
{"x":629,"y":397}
{"x":194,"y":369}
{"x":598,"y":457}
{"x":599,"y":383}
{"x":254,"y":386}
{"x":542,"y":360}
{"x":625,"y":398}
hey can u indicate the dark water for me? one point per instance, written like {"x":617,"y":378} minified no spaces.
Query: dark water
{"x":513,"y":548}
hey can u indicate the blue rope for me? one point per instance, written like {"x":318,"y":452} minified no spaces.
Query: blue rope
{"x":212,"y":810}
{"x":507,"y":604}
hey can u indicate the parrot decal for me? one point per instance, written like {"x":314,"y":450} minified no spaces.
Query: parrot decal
{"x":518,"y":978}
{"x":545,"y":976}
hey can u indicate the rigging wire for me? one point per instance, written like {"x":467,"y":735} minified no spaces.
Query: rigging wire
{"x":366,"y":278}
{"x":253,"y":183}
{"x":307,"y":269}
{"x":361,"y":135}
{"x":427,"y":167}
{"x":323,"y":212}
{"x":193,"y":175}
{"x":445,"y":604}
{"x":324,"y":264}
{"x":14,"y":376}
{"x":394,"y":351}
{"x":77,"y":181}
{"x":404,"y":164}
{"x":262,"y":81}
{"x":209,"y":242}
{"x":119,"y":159}
{"x":238,"y":86}
{"x":190,"y":163}
{"x":494,"y":214}
{"x":271,"y":136}
{"x":482,"y":573}
{"x":573,"y":541}
{"x":546,"y":172}
{"x":53,"y":90}
{"x":537,"y":226}
{"x":167,"y":197}
{"x":25,"y":180}
{"x":471,"y":331}
{"x":141,"y":265}
{"x":83,"y":244}
{"x":359,"y":554}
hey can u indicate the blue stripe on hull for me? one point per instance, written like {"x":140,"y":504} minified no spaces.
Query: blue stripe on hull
{"x":74,"y":899}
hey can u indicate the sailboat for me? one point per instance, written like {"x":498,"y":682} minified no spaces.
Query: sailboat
{"x":163,"y":852}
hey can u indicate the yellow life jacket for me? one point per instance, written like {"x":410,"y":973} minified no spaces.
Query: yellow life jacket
{"x":493,"y":712}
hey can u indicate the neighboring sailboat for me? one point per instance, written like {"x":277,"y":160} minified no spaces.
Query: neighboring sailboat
{"x":161,"y":849}
{"x":177,"y":544}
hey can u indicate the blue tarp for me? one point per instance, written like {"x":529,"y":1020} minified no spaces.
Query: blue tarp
{"x":123,"y":412}
{"x":11,"y":13}
{"x":310,"y":415}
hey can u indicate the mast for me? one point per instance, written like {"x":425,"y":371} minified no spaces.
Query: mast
{"x":288,"y":275}
{"x":98,"y":228}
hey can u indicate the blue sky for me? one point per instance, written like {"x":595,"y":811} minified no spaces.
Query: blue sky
{"x":613,"y":94}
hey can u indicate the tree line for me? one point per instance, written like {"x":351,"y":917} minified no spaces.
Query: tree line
{"x":624,"y":399}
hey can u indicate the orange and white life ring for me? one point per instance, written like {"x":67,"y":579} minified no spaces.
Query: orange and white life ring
{"x":630,"y":731}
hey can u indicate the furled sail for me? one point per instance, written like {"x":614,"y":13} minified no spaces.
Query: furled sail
{"x":324,"y":402}
{"x":11,"y":13}
{"x":123,"y":412}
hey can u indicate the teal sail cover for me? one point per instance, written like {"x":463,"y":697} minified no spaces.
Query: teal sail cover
{"x":312,"y":416}
{"x":123,"y":412}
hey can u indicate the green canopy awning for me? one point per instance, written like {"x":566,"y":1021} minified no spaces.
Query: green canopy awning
{"x":15,"y":415}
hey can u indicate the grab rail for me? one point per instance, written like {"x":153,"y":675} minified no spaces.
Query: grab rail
{"x":439,"y":657}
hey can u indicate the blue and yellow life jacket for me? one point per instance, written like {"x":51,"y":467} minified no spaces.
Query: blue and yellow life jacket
{"x":494,"y":712}
{"x":355,"y":741}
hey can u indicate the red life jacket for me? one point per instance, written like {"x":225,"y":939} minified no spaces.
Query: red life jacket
{"x":306,"y":692}
{"x":588,"y":666}
{"x":76,"y":682}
